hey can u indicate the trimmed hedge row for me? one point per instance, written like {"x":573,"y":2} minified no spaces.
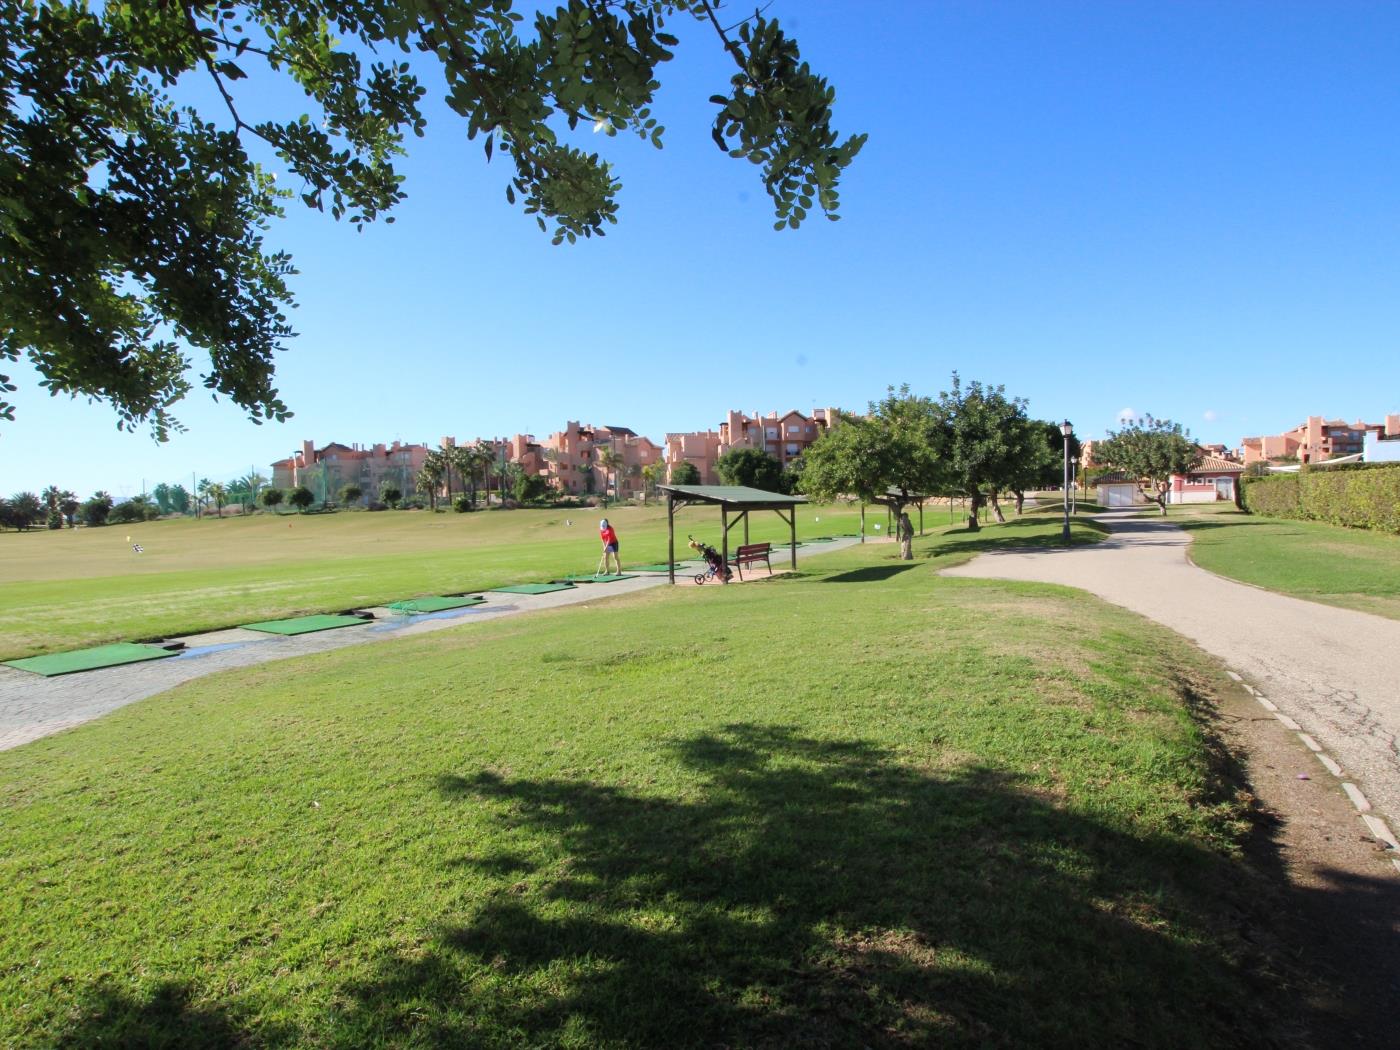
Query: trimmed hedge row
{"x":1361,"y":499}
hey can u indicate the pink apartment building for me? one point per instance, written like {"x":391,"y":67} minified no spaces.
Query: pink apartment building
{"x":571,"y":459}
{"x":784,"y":437}
{"x":1312,"y":441}
{"x":328,"y":469}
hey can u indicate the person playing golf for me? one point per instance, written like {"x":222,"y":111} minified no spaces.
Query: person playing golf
{"x":609,"y":538}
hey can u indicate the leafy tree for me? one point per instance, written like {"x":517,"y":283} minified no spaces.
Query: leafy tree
{"x":1258,"y":469}
{"x":96,"y":509}
{"x":464,"y":460}
{"x":750,"y":466}
{"x":179,"y":499}
{"x":301,"y":497}
{"x":986,"y":439}
{"x":1151,"y":450}
{"x":350,"y":494}
{"x":131,"y":511}
{"x":1039,"y":463}
{"x":69,"y":508}
{"x":107,"y":171}
{"x":161,"y":493}
{"x":891,"y":456}
{"x":529,"y":487}
{"x":390,"y":493}
{"x":589,"y":478}
{"x":685,"y":473}
{"x":272,"y":498}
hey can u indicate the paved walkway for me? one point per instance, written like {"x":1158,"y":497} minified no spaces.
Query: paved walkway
{"x":32,"y":707}
{"x":1334,"y":671}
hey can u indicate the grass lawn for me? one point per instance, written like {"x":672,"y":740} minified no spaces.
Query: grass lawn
{"x":858,"y":806}
{"x":72,"y":588}
{"x":1322,"y":563}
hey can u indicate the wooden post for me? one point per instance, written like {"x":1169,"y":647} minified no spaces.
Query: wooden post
{"x":862,"y":523}
{"x":746,"y":528}
{"x":724,"y":542}
{"x":792,"y":523}
{"x":921,"y":517}
{"x":671,"y":535}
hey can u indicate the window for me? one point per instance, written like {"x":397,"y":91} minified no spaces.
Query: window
{"x":772,"y":432}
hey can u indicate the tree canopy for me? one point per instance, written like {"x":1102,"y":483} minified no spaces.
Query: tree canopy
{"x":133,"y":223}
{"x":1150,"y":450}
{"x":988,"y":443}
{"x":752,"y":467}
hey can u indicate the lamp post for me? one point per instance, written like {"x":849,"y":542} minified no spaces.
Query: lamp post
{"x":1066,"y":429}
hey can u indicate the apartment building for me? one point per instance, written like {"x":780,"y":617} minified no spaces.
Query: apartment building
{"x":784,"y":437}
{"x":1384,"y":447}
{"x":325,"y":471}
{"x":572,"y":464}
{"x":1312,"y":441}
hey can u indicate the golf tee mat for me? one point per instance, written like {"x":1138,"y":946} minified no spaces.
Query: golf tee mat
{"x":532,"y":588}
{"x":89,"y":659}
{"x":435,"y":603}
{"x":304,"y":624}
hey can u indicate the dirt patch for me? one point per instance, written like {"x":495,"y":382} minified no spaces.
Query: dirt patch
{"x":1334,"y":895}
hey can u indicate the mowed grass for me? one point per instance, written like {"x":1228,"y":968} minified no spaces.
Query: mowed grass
{"x":1351,"y":568}
{"x":859,"y":806}
{"x":74,"y":588}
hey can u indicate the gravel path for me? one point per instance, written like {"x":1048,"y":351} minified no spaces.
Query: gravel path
{"x":32,"y":707}
{"x":1334,"y":671}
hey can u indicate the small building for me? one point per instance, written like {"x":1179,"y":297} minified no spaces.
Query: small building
{"x":1213,"y":480}
{"x":1119,"y":490}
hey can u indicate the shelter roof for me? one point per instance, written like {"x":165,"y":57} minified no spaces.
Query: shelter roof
{"x":1118,"y":477}
{"x":741,"y":497}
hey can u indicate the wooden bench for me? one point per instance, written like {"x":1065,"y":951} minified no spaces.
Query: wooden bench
{"x":752,"y":554}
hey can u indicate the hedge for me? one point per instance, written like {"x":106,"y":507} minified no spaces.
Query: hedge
{"x":1364,"y":497}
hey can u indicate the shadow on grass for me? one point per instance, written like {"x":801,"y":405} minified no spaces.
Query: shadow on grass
{"x":161,"y":1017}
{"x":821,"y":893}
{"x":870,"y":574}
{"x":1007,"y":537}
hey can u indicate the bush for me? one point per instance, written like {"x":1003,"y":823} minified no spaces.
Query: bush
{"x":374,"y":504}
{"x":463,"y":505}
{"x":127,"y":513}
{"x":1364,"y":496}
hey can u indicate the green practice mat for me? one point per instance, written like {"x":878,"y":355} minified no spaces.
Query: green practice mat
{"x":607,"y":578}
{"x":533,"y":588}
{"x":303,"y":624}
{"x":89,"y":659}
{"x":435,"y":603}
{"x":654,"y":568}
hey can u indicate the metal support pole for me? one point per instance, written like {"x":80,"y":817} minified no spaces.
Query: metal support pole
{"x":862,"y":523}
{"x":1065,"y":493}
{"x":671,"y":535}
{"x":746,"y":528}
{"x":792,"y":523}
{"x":724,"y":542}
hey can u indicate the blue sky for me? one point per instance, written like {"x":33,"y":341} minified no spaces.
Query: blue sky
{"x":1188,"y":209}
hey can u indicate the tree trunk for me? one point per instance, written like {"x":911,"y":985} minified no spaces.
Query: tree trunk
{"x":906,"y":536}
{"x":973,"y":525}
{"x":996,"y":509}
{"x":1020,"y":500}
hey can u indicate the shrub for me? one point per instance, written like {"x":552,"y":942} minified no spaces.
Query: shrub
{"x":462,"y":504}
{"x":301,"y":498}
{"x":127,"y":513}
{"x":1366,"y":496}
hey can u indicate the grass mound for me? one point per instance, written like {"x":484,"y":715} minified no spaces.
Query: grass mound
{"x":911,"y":810}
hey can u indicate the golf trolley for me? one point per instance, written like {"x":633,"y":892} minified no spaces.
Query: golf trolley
{"x":715,"y":568}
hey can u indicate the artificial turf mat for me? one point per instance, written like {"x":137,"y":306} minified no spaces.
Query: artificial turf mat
{"x":606,"y":578}
{"x":89,"y":659}
{"x":532,"y":588}
{"x":435,"y":603}
{"x":303,"y":624}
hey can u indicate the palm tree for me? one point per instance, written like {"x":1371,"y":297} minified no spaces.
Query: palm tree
{"x":201,"y":492}
{"x":219,"y":495}
{"x":429,"y":477}
{"x":485,"y":458}
{"x":254,"y":484}
{"x":653,"y":474}
{"x":462,"y":459}
{"x":610,"y":460}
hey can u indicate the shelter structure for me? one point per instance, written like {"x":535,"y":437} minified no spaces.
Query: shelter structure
{"x":733,"y":501}
{"x":891,"y":499}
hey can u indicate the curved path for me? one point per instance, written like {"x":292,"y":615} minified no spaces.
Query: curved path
{"x":1334,"y":671}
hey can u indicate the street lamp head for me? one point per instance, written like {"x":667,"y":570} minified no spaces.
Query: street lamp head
{"x":1066,"y":428}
